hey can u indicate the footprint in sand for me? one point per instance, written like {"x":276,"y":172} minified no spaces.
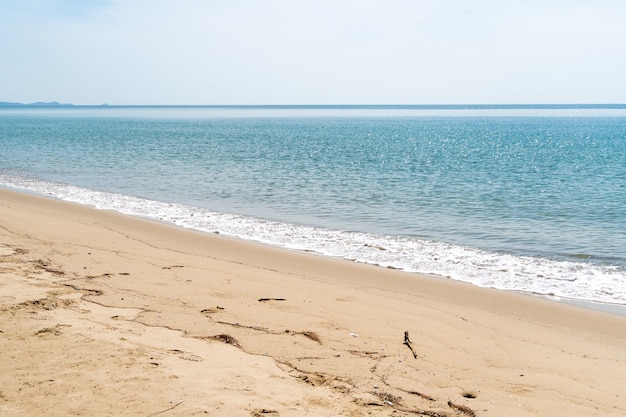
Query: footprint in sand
{"x":6,"y":251}
{"x":186,"y":355}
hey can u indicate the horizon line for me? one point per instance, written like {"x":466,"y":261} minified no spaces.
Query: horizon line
{"x":371,"y":105}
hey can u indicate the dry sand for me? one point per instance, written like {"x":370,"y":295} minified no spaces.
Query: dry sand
{"x":107,"y":315}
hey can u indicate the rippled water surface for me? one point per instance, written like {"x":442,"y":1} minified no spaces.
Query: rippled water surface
{"x":522,"y":199}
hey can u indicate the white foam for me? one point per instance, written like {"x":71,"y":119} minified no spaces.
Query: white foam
{"x":566,"y":279}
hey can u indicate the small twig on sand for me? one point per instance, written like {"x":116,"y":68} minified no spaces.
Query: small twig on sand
{"x":311,"y":335}
{"x":264,"y":329}
{"x":424,"y":396}
{"x":463,"y":409}
{"x":167,"y":409}
{"x":408,"y":343}
{"x":228,"y":339}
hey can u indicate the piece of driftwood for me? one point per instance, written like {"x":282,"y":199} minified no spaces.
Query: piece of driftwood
{"x":226,"y":338}
{"x":263,"y":329}
{"x":407,"y":342}
{"x":463,"y":409}
{"x":311,"y":335}
{"x":424,"y":396}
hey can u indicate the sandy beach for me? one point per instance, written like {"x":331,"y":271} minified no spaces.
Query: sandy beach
{"x":106,"y":315}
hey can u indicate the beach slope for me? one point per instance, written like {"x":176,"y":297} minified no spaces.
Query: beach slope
{"x":104,"y":314}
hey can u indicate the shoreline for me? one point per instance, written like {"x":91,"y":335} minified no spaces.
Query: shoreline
{"x":121,"y":313}
{"x":617,"y":309}
{"x":607,"y":307}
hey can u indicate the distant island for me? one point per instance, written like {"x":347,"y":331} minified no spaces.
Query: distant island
{"x":37,"y":104}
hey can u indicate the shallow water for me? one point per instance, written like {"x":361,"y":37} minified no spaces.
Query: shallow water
{"x":526,"y":199}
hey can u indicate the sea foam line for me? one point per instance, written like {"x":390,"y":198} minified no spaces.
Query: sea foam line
{"x":566,"y":279}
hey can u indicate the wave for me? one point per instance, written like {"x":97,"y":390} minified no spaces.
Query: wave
{"x":570,"y":279}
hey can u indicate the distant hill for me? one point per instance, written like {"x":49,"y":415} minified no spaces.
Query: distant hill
{"x":37,"y":104}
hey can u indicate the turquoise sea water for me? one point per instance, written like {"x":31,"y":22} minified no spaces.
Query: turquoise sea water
{"x":518,"y":198}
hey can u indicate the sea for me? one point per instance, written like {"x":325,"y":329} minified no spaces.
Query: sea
{"x":526,"y":198}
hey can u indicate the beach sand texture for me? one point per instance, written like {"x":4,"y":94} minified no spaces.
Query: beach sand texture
{"x":107,"y":315}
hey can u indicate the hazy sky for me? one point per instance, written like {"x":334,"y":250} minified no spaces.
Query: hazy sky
{"x":313,"y":51}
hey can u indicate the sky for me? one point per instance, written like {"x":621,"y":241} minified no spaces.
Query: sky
{"x":133,"y":52}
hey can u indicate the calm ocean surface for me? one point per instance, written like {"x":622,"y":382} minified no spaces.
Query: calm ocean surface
{"x":525,"y":199}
